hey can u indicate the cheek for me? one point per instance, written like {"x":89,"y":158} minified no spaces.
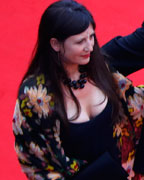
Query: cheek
{"x":93,"y":42}
{"x":74,"y":51}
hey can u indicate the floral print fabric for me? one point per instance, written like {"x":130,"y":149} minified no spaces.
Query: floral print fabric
{"x":37,"y":144}
{"x":37,"y":139}
{"x":128,"y":131}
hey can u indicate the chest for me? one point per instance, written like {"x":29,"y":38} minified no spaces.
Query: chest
{"x":91,"y":138}
{"x":92,"y":102}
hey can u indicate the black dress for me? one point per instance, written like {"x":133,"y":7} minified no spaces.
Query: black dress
{"x":93,"y":141}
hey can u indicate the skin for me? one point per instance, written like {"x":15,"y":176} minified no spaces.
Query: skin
{"x":76,"y":51}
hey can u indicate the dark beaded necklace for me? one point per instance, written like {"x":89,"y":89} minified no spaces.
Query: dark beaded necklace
{"x":77,"y":84}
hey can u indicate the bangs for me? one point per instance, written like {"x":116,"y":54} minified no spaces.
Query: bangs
{"x":72,"y":23}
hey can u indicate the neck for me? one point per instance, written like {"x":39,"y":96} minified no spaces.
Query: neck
{"x":72,"y":71}
{"x":77,"y":77}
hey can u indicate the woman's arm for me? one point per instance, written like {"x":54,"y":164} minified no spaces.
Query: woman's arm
{"x":136,"y":108}
{"x":126,"y":54}
{"x":36,"y":131}
{"x":133,"y":103}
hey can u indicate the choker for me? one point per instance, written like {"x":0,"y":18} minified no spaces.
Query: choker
{"x":77,"y":84}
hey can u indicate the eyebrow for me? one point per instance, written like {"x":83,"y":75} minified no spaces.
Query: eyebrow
{"x":93,"y":33}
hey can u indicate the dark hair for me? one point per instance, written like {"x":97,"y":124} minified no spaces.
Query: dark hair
{"x":61,"y":20}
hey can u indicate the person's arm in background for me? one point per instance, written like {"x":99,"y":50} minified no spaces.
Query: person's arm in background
{"x":126,"y":54}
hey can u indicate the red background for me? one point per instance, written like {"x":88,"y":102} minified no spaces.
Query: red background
{"x":18,"y":30}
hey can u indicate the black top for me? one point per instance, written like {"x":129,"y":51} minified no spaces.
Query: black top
{"x":89,"y":140}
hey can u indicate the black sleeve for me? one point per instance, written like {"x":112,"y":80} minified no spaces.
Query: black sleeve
{"x":105,"y":167}
{"x":126,"y":54}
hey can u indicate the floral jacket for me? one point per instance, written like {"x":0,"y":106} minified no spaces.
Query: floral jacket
{"x":37,"y":139}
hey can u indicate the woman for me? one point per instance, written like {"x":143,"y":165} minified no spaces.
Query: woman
{"x":73,"y":118}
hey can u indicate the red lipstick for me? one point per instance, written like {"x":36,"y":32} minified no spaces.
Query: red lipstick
{"x":86,"y":56}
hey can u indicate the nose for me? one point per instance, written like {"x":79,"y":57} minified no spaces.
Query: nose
{"x":89,"y":46}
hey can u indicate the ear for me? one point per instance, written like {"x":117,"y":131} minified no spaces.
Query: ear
{"x":55,"y":44}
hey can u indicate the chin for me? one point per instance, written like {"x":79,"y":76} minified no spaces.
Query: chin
{"x":85,"y":61}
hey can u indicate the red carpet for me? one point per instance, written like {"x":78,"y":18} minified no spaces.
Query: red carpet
{"x":18,"y":29}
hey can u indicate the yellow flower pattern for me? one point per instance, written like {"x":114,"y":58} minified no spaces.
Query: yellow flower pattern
{"x":49,"y":168}
{"x":27,"y":112}
{"x":74,"y":166}
{"x":24,"y":102}
{"x":39,"y":100}
{"x":40,"y":79}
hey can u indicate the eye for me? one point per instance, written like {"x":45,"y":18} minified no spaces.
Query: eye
{"x":91,"y":36}
{"x":81,"y":41}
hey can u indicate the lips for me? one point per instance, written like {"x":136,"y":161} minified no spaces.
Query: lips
{"x":86,"y":56}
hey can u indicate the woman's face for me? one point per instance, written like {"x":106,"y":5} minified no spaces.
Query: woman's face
{"x":77,"y":48}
